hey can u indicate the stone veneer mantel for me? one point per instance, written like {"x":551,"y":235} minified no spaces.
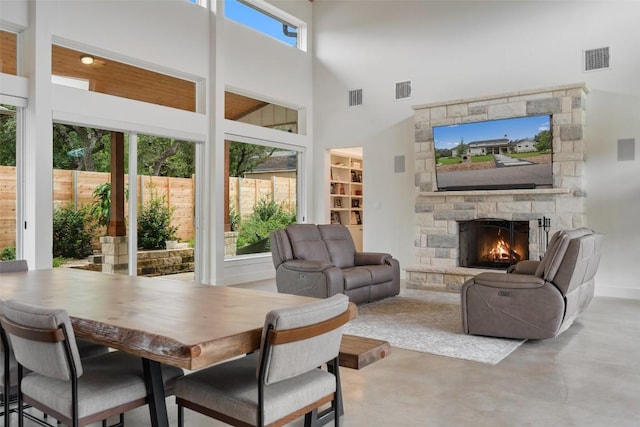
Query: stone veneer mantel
{"x":494,"y":192}
{"x":437,"y":212}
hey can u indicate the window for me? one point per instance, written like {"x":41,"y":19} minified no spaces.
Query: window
{"x":261,"y":192}
{"x":8,"y":183}
{"x":265,"y":18}
{"x":104,"y":75}
{"x":260,"y":113}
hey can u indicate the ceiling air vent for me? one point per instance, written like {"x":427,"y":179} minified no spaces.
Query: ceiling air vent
{"x":403,"y":90}
{"x":355,"y":97}
{"x":596,"y":59}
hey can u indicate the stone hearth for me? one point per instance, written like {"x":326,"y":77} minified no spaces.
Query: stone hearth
{"x":437,"y":212}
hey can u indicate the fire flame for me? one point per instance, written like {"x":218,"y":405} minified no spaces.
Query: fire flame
{"x":501,"y":251}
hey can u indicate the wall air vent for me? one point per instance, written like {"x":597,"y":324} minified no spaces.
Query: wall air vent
{"x":596,"y":59}
{"x":403,"y":90}
{"x":355,"y":97}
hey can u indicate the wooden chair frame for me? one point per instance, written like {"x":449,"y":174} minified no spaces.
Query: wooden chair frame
{"x":312,"y":417}
{"x":57,"y":335}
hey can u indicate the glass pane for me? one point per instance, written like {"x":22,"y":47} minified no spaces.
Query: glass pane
{"x":8,"y":187}
{"x":261,"y":195}
{"x":81,"y":198}
{"x":260,"y":113}
{"x":166,"y":206}
{"x":260,"y":20}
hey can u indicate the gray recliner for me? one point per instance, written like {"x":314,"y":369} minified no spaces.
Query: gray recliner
{"x":535,"y":299}
{"x":321,"y":261}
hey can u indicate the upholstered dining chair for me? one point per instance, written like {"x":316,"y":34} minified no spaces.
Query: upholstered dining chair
{"x":73,"y":391}
{"x":9,"y":366}
{"x":13,"y":266}
{"x":285,"y":380}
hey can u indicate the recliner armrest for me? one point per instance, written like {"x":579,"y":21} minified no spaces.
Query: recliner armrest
{"x":305,"y":265}
{"x":524,"y":267}
{"x":371,"y":258}
{"x":509,"y":281}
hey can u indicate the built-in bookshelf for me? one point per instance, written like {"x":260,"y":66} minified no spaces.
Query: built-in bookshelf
{"x":345,"y":191}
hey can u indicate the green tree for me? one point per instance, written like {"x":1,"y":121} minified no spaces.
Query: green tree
{"x":165,"y":157}
{"x":244,"y":157}
{"x":543,"y":140}
{"x":460,"y":149}
{"x":77,"y":148}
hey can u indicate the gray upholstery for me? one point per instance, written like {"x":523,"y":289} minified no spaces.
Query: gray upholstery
{"x":535,"y":300}
{"x":291,"y":376}
{"x":13,"y":266}
{"x":107,"y":384}
{"x":321,"y":261}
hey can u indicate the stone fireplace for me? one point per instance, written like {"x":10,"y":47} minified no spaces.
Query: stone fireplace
{"x":438,"y":214}
{"x":492,"y":243}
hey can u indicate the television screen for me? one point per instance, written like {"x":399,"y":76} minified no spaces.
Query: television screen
{"x":497,"y":154}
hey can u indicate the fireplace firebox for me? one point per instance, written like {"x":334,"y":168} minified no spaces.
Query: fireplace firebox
{"x":493,"y":243}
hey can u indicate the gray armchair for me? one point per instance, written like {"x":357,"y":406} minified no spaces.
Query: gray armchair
{"x":321,"y":261}
{"x":535,"y":300}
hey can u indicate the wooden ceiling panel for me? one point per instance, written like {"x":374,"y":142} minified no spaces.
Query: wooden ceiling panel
{"x":127,"y":81}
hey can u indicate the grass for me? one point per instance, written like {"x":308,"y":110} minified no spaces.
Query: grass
{"x":58,"y":261}
{"x":449,"y":160}
{"x":486,"y":158}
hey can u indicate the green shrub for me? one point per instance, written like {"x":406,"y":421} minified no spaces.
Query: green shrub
{"x":234,"y":219}
{"x":8,"y":253}
{"x":72,"y":232}
{"x":154,"y":224}
{"x":267,"y":216}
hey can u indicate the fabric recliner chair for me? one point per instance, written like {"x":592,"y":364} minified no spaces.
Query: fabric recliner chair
{"x":321,"y":261}
{"x":535,"y":299}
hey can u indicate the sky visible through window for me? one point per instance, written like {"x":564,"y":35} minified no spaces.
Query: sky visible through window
{"x":448,"y":137}
{"x":239,"y":12}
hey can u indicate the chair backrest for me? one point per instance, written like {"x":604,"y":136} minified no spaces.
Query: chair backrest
{"x":580,"y":262}
{"x":31,"y":330}
{"x":13,"y":266}
{"x":307,"y":243}
{"x":298,"y":339}
{"x":339,"y":243}
{"x":556,"y":250}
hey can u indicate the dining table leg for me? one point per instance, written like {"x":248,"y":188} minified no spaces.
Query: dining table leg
{"x":155,"y":392}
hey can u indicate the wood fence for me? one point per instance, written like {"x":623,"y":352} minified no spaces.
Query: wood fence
{"x":76,"y":187}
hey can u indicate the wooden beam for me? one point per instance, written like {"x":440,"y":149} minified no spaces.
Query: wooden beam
{"x":117,"y":226}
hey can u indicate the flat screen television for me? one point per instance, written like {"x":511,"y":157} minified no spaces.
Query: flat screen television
{"x":503,"y":154}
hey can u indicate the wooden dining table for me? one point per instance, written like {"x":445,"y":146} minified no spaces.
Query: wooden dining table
{"x":161,"y":320}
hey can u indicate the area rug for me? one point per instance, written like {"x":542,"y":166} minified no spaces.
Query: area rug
{"x":429,"y":322}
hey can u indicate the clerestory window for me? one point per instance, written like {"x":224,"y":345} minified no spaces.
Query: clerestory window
{"x":267,"y":19}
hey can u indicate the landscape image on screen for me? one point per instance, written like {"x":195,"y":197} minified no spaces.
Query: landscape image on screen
{"x":492,"y":155}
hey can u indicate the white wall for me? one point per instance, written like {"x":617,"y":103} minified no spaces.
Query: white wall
{"x":462,"y":49}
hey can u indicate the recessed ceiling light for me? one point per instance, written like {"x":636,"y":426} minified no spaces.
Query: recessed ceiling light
{"x":87,"y":59}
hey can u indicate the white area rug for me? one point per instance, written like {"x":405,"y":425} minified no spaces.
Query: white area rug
{"x":429,"y":322}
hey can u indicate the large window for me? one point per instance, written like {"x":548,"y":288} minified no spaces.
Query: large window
{"x":8,"y":183}
{"x":261,"y":196}
{"x":164,"y":194}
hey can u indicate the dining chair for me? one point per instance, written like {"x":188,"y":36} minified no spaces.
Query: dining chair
{"x":13,"y":266}
{"x":73,"y":391}
{"x":283,"y":381}
{"x":10,"y":367}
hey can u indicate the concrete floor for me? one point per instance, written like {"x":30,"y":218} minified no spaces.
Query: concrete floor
{"x":588,"y":376}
